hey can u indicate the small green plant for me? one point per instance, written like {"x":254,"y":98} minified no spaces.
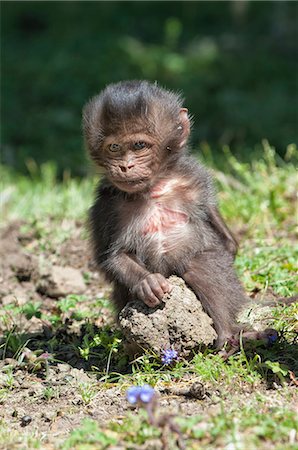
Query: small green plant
{"x":3,"y":394}
{"x":212,"y":367}
{"x":10,"y":439}
{"x":8,"y":379}
{"x":105,"y":339}
{"x":87,"y":392}
{"x":89,"y":436}
{"x":69,"y":302}
{"x":279,"y":370}
{"x":51,"y":392}
{"x":14,"y":342}
{"x":32,"y":309}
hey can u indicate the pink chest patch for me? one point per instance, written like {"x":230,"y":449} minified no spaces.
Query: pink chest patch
{"x":163,"y":219}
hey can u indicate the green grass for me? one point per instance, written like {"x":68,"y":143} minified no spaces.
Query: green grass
{"x":258,"y":200}
{"x":41,"y":197}
{"x":254,"y":426}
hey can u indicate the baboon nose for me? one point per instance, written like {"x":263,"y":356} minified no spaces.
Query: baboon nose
{"x":127,"y":167}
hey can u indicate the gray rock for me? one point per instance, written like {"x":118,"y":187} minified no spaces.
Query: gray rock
{"x":23,"y":265}
{"x":178,"y":323}
{"x":57,"y":281}
{"x":19,"y":296}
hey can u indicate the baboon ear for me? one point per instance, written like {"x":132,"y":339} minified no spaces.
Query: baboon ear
{"x":184,"y":125}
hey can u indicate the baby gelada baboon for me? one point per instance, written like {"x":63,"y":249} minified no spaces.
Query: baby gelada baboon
{"x":155,"y":212}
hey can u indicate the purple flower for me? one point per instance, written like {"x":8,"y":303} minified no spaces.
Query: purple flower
{"x":45,"y":355}
{"x":142,"y":394}
{"x":168,"y":356}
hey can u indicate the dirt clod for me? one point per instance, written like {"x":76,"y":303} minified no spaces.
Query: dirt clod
{"x":57,"y":281}
{"x":23,"y":266}
{"x":179,"y":323}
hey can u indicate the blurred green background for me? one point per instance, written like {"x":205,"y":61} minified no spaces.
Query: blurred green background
{"x":234,"y":62}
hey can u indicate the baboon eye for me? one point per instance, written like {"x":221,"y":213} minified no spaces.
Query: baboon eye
{"x":139,"y":145}
{"x":115,"y":147}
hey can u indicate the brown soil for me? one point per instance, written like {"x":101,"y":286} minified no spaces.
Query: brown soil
{"x":57,"y":394}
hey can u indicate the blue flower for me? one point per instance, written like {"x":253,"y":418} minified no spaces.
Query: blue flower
{"x":272,"y":338}
{"x":146,"y":393}
{"x":168,"y":356}
{"x":132,"y":394}
{"x":142,"y":394}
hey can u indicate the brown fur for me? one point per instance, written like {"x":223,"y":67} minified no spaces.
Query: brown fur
{"x":155,"y":211}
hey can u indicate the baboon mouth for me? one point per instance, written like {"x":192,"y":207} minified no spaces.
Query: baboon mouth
{"x":131,"y":185}
{"x":131,"y":182}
